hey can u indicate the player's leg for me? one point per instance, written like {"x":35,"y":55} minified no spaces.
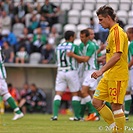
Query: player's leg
{"x":56,"y":105}
{"x":82,"y":108}
{"x":101,"y":95}
{"x":128,"y":98}
{"x":74,"y":86}
{"x":118,"y":116}
{"x":108,"y":105}
{"x":104,"y":111}
{"x":76,"y":105}
{"x":60,"y":88}
{"x":82,"y":101}
{"x":7,"y":97}
{"x":88,"y":88}
{"x":88,"y":102}
{"x":128,"y":101}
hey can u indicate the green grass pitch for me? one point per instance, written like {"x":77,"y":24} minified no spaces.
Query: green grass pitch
{"x":40,"y":123}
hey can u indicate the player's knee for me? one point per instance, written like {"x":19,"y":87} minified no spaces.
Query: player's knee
{"x":97,"y":103}
{"x":75,"y":98}
{"x":84,"y":93}
{"x":6,"y":96}
{"x":116,"y":106}
{"x":57,"y":97}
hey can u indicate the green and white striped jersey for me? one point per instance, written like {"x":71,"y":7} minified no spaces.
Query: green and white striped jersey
{"x":63,"y":61}
{"x":2,"y":67}
{"x":130,"y":52}
{"x":89,"y":50}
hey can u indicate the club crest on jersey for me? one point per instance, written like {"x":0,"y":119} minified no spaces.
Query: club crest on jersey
{"x":107,"y":50}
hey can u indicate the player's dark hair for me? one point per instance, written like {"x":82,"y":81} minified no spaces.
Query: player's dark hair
{"x":89,"y":29}
{"x":68,"y":34}
{"x":85,"y":31}
{"x":106,"y":10}
{"x":130,"y":30}
{"x":9,"y":85}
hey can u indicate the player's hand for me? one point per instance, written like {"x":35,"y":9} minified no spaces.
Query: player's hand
{"x":102,"y":46}
{"x":70,"y":54}
{"x":96,"y":74}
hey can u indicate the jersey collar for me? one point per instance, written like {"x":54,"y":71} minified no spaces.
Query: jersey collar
{"x":116,"y":25}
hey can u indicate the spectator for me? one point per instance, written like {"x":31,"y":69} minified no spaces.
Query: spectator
{"x":51,"y":12}
{"x":95,"y":27}
{"x":47,"y":54}
{"x":34,"y":100}
{"x":18,"y":27}
{"x":39,"y":40}
{"x":1,"y":5}
{"x":53,"y":36}
{"x":21,"y":10}
{"x":10,"y":37}
{"x":103,"y":34}
{"x":8,"y":6}
{"x":6,"y":21}
{"x":25,"y":90}
{"x":25,"y":39}
{"x":33,"y":24}
{"x":22,"y":55}
{"x":8,"y":53}
{"x":44,"y":25}
{"x":14,"y":92}
{"x":1,"y":41}
{"x":0,"y":20}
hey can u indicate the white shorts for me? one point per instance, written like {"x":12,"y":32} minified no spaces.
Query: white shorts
{"x":130,"y":82}
{"x":3,"y":87}
{"x":68,"y":79}
{"x":80,"y":73}
{"x":88,"y":81}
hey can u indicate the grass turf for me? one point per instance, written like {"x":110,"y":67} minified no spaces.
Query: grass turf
{"x":40,"y":123}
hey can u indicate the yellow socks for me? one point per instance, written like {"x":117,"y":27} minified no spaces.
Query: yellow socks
{"x":107,"y":114}
{"x":119,"y":120}
{"x":115,"y":119}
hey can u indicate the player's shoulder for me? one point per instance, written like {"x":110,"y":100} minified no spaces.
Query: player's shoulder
{"x":90,"y":43}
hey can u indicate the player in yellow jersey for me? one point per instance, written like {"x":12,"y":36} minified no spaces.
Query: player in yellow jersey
{"x":112,"y":87}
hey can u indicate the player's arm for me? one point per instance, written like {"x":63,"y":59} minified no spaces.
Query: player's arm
{"x":113,"y":60}
{"x":11,"y":57}
{"x":101,"y":59}
{"x":81,"y":59}
{"x":99,"y":49}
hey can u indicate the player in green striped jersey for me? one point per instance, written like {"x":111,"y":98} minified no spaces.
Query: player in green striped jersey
{"x":128,"y":99}
{"x":89,"y":57}
{"x":67,"y":75}
{"x":4,"y":90}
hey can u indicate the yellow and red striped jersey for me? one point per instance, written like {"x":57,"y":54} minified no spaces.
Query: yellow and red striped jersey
{"x":117,"y":41}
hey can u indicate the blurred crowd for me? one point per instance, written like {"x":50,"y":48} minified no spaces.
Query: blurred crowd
{"x":30,"y":98}
{"x":26,"y":29}
{"x":29,"y":32}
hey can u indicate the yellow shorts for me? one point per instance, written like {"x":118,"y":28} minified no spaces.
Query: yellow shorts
{"x":111,"y":90}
